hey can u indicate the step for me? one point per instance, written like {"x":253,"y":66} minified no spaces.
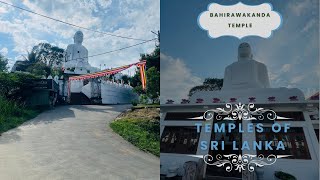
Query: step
{"x":221,"y":178}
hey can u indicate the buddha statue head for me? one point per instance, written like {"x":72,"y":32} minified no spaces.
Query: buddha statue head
{"x":78,"y":37}
{"x":244,"y":52}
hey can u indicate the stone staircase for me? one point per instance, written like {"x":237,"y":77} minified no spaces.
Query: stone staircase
{"x":79,"y":99}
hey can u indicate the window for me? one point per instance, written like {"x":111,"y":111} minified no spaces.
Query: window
{"x":317,"y":133}
{"x":294,"y":142}
{"x":181,"y":140}
{"x":314,"y":117}
{"x":182,"y":116}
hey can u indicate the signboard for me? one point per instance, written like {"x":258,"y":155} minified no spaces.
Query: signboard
{"x":45,"y":84}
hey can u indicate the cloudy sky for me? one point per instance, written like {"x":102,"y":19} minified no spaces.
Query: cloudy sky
{"x":189,"y":55}
{"x":20,"y":31}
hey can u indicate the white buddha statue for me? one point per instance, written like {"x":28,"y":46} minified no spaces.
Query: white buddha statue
{"x":247,"y":80}
{"x":76,"y":56}
{"x":246,"y":72}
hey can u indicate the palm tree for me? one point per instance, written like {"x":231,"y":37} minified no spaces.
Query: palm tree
{"x":31,"y":57}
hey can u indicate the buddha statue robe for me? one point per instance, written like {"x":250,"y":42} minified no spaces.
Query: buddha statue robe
{"x":76,"y":56}
{"x":246,"y":72}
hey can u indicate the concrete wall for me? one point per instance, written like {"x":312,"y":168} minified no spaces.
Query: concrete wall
{"x":76,"y":86}
{"x":113,"y":93}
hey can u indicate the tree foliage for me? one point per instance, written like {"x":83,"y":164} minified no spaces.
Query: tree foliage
{"x":153,"y":84}
{"x":13,"y":85}
{"x":153,"y":59}
{"x":47,"y":54}
{"x":152,"y":75}
{"x":3,"y":63}
{"x":41,"y":59}
{"x":125,"y":79}
{"x":209,"y":84}
{"x":39,"y":69}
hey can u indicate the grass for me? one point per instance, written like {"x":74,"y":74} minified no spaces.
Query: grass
{"x":141,"y":127}
{"x":141,"y":106}
{"x":13,"y":115}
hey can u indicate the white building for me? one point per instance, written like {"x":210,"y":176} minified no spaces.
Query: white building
{"x":245,"y":81}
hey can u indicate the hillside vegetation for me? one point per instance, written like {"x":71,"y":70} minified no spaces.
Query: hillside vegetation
{"x":141,"y":127}
{"x":13,"y":114}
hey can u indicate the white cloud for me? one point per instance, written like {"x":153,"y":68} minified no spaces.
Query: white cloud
{"x":299,"y":7}
{"x":3,"y":10}
{"x":4,"y":51}
{"x":286,"y":67}
{"x":127,"y":19}
{"x":309,"y":25}
{"x":104,"y":3}
{"x":297,"y":79}
{"x":176,"y":79}
{"x":289,"y":54}
{"x":273,"y":76}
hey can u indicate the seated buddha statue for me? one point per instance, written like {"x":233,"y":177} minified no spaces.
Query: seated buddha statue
{"x":247,"y":80}
{"x":246,"y":72}
{"x":76,"y":56}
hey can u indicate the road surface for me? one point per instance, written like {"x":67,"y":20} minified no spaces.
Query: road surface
{"x":73,"y":142}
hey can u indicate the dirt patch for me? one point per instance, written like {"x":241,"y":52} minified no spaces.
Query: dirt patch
{"x":146,"y":114}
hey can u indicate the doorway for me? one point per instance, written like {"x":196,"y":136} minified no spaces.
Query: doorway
{"x":215,"y":172}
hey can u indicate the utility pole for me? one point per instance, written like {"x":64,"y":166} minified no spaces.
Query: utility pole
{"x":158,"y":36}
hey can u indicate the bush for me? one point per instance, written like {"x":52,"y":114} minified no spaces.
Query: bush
{"x":12,"y":114}
{"x":134,"y":103}
{"x":143,"y":99}
{"x":13,"y":85}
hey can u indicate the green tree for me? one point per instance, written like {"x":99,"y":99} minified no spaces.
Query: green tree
{"x":152,"y":74}
{"x":39,"y":69}
{"x":32,"y":57}
{"x":216,"y":83}
{"x":153,"y":59}
{"x":49,"y":54}
{"x":125,"y":79}
{"x":138,"y":89}
{"x":43,"y":59}
{"x":209,"y":84}
{"x":3,"y":63}
{"x":153,"y":84}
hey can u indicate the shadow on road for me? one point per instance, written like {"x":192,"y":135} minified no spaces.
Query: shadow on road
{"x":60,"y":113}
{"x":56,"y":114}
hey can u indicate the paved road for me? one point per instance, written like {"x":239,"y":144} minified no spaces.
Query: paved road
{"x":73,"y":142}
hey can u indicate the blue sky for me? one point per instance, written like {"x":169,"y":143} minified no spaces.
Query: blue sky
{"x":291,"y":54}
{"x":20,"y":31}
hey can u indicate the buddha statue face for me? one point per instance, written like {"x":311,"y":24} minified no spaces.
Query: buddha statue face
{"x":78,"y":37}
{"x":244,"y":52}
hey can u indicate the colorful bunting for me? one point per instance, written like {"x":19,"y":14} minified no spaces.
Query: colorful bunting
{"x":140,"y":64}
